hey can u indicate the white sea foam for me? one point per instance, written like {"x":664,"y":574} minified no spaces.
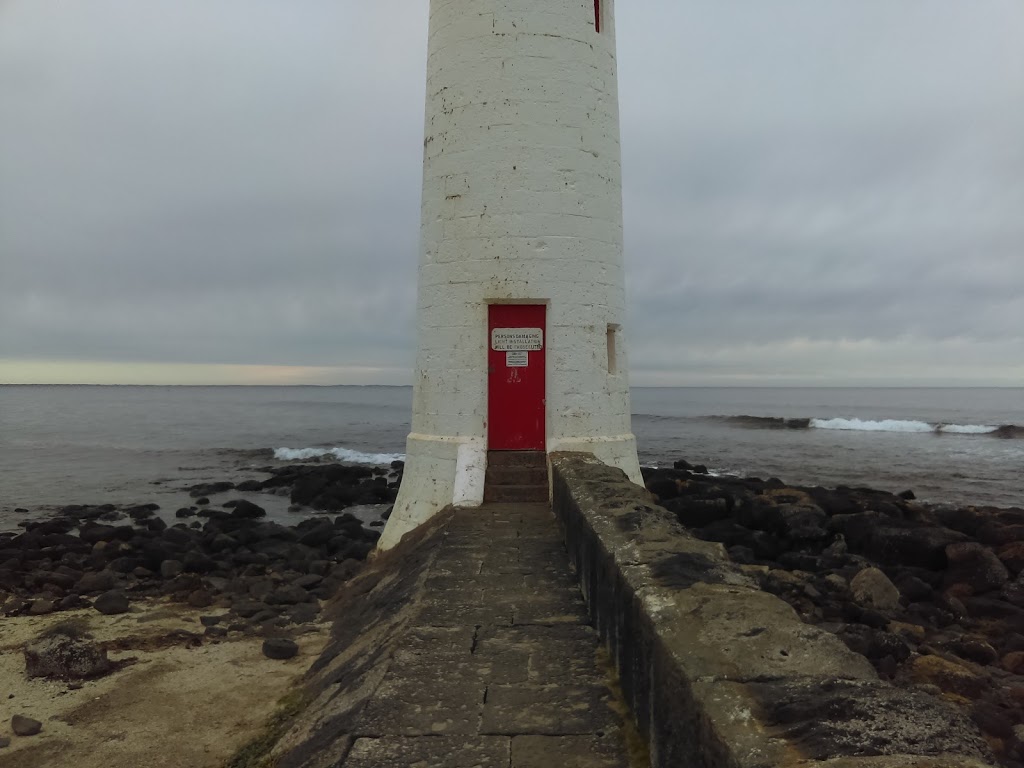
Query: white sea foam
{"x":885,"y":425}
{"x":896,"y":425}
{"x":341,"y":454}
{"x":967,"y":429}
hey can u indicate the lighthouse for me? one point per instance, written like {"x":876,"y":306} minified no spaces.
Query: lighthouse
{"x":521,"y":292}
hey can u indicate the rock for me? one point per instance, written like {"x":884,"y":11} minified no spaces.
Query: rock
{"x":198,"y":492}
{"x":907,"y":495}
{"x":973,"y":649}
{"x":210,"y":621}
{"x":25,"y":726}
{"x":171,"y":568}
{"x":111,"y":603}
{"x":1012,"y":556}
{"x":249,"y":485}
{"x":280,"y":648}
{"x":290,"y":594}
{"x":40,"y":607}
{"x":976,"y":566}
{"x":872,"y":588}
{"x":246,"y":510}
{"x":247,"y":608}
{"x":101,"y":581}
{"x":304,"y":613}
{"x":948,"y":676}
{"x":185,"y":512}
{"x":5,"y":741}
{"x":63,"y":657}
{"x":1014,"y":662}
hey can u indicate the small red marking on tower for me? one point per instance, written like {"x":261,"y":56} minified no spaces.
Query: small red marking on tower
{"x":597,"y":15}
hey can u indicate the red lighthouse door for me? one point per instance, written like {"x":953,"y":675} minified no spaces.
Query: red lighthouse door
{"x":515,"y":379}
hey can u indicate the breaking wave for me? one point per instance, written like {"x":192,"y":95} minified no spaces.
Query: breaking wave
{"x":881,"y":425}
{"x":341,"y":454}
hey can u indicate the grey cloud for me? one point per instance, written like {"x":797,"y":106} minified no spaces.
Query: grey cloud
{"x":238,"y":181}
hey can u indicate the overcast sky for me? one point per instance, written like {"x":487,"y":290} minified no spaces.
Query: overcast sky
{"x":816,"y":191}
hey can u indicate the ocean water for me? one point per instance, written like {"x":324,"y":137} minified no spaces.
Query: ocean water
{"x":91,"y":445}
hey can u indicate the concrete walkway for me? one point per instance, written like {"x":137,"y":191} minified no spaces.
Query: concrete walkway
{"x":501,"y":667}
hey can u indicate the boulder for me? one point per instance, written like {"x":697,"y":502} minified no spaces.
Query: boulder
{"x":872,"y":589}
{"x":25,"y":726}
{"x":949,"y":676}
{"x":64,"y":657}
{"x":975,"y":566}
{"x":280,"y":648}
{"x":111,"y":603}
{"x":101,"y":581}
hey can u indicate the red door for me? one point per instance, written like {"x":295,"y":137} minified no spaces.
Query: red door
{"x":515,"y":380}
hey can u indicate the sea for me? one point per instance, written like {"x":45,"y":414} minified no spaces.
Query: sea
{"x":63,"y":444}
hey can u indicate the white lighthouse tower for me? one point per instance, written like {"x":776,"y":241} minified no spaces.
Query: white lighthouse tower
{"x":521,"y":294}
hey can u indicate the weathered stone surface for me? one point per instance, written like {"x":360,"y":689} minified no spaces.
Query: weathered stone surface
{"x":588,"y":751}
{"x":425,"y":668}
{"x":738,"y":634}
{"x":436,"y":751}
{"x":719,"y":673}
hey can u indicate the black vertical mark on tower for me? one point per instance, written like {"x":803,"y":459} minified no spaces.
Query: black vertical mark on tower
{"x":597,"y":16}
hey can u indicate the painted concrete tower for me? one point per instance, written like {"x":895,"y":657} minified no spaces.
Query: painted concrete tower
{"x":521,"y":294}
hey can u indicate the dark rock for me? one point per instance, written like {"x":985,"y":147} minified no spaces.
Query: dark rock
{"x":5,"y":741}
{"x":110,"y":603}
{"x":249,"y":485}
{"x":40,"y":607}
{"x":208,"y":489}
{"x":200,"y":598}
{"x":63,"y":657}
{"x":304,"y":613}
{"x":247,"y":608}
{"x":216,"y":632}
{"x":907,"y":495}
{"x":185,"y":512}
{"x":25,"y":726}
{"x":289,"y":594}
{"x":280,"y":648}
{"x":246,"y":510}
{"x":171,"y":568}
{"x":976,"y":566}
{"x":210,"y":621}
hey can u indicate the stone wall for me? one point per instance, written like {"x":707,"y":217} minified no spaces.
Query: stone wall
{"x":719,"y":673}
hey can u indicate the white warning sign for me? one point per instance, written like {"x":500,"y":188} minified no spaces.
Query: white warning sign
{"x":514,"y":339}
{"x":518,"y":358}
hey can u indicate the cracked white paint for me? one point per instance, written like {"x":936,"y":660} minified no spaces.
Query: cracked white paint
{"x":522,"y":203}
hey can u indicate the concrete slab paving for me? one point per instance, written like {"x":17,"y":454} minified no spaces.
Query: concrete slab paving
{"x":499,"y":666}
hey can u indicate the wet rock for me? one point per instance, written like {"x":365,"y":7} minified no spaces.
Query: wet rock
{"x":112,"y":603}
{"x":240,"y":508}
{"x":202,"y":490}
{"x":1014,"y":663}
{"x":25,"y":726}
{"x":64,"y":657}
{"x":976,"y":566}
{"x":280,"y":648}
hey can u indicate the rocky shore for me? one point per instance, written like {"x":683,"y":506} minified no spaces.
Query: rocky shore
{"x":932,"y":595}
{"x":236,"y":573}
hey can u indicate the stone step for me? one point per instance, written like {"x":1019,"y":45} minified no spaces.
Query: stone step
{"x":517,"y":475}
{"x":515,"y":493}
{"x":517,"y":459}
